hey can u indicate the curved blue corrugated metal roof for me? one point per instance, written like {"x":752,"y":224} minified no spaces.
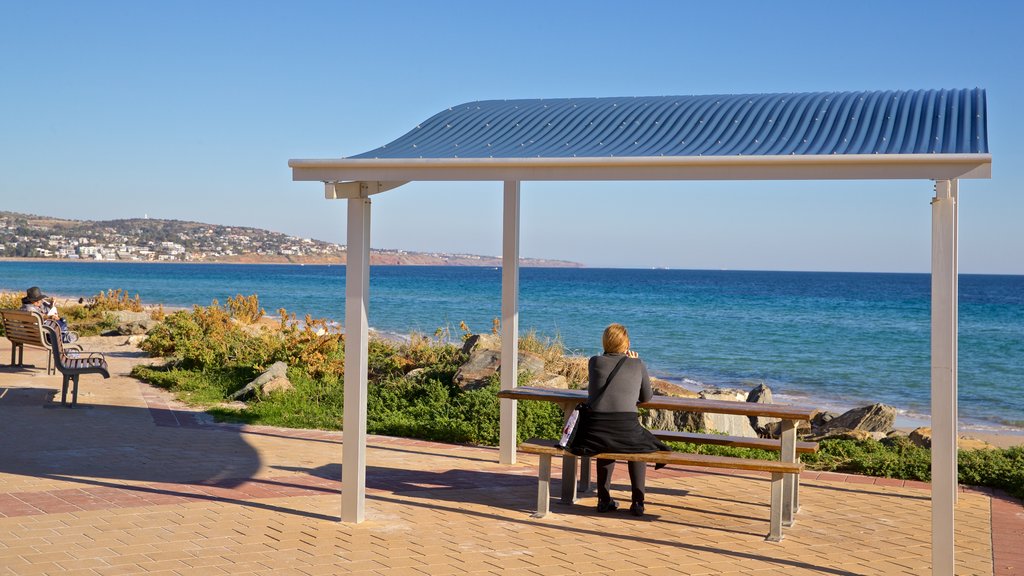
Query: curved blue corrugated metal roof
{"x":883,"y":122}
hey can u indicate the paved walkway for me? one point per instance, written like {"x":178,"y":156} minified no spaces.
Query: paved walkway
{"x":130,"y":483}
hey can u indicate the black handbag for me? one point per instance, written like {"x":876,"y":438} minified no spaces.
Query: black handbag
{"x":576,"y":423}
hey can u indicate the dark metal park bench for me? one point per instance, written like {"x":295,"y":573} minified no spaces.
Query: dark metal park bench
{"x":72,"y":364}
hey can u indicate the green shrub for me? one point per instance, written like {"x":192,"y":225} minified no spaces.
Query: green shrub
{"x":894,"y":457}
{"x":1003,"y":468}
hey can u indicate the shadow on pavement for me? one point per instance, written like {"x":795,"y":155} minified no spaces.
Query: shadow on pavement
{"x":43,"y":439}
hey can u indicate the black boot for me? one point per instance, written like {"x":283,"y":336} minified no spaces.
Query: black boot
{"x":609,"y":506}
{"x":637,"y":509}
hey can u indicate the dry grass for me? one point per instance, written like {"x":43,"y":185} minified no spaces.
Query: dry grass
{"x":114,"y":300}
{"x":10,"y":300}
{"x":552,"y":350}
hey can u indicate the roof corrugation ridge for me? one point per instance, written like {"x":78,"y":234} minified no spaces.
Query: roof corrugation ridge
{"x":879,"y":122}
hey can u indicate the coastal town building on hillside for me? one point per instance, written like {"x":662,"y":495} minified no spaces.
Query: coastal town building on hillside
{"x":156,"y":240}
{"x":146,"y":239}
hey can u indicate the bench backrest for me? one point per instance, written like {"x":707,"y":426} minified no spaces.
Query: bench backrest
{"x":24,"y":327}
{"x":56,"y":343}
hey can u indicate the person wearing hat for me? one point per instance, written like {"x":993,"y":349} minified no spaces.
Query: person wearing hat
{"x":36,"y":301}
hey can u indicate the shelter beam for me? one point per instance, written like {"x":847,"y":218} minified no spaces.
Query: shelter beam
{"x":350,"y":190}
{"x":943,"y":374}
{"x":509,"y":320}
{"x":357,"y":300}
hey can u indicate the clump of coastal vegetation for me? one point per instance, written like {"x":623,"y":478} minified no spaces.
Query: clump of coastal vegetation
{"x":92,"y":316}
{"x":213,"y":351}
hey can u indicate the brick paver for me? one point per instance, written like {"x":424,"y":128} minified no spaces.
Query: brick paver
{"x":131,"y":482}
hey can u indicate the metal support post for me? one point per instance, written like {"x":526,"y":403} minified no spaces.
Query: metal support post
{"x":509,"y":320}
{"x":357,"y":300}
{"x":943,"y":375}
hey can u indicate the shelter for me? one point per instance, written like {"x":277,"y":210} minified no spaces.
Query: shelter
{"x":938,"y":135}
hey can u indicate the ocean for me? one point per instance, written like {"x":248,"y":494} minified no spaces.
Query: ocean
{"x":831,"y":340}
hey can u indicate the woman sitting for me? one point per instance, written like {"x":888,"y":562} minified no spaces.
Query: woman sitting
{"x":618,"y":382}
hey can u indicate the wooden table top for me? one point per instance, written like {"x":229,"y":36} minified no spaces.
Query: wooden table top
{"x":564,"y":396}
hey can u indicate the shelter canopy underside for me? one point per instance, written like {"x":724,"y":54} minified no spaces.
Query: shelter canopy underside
{"x":926,"y":134}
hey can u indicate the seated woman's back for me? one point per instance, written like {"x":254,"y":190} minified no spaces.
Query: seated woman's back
{"x":630,"y":385}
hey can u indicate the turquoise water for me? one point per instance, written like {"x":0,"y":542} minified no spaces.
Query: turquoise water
{"x":833,"y":340}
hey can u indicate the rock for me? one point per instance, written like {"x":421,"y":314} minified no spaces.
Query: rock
{"x":415,"y":373}
{"x":129,"y":323}
{"x":819,"y":422}
{"x":760,"y":394}
{"x":730,"y":424}
{"x":873,"y":418}
{"x":277,"y":371}
{"x":923,"y":437}
{"x":481,"y":342}
{"x":277,"y":385}
{"x":848,"y":434}
{"x":968,"y":443}
{"x":530,"y":362}
{"x":128,"y":316}
{"x":134,"y":340}
{"x":549,"y":380}
{"x":666,"y":419}
{"x":774,"y":429}
{"x":484,"y":363}
{"x":474,"y":373}
{"x":666,"y":388}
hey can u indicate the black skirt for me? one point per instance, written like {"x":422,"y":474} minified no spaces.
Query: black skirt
{"x":614,"y":432}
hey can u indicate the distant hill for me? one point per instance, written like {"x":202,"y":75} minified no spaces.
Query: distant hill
{"x":155,"y":240}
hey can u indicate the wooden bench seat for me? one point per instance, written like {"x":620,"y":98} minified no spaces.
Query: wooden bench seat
{"x":546,"y":449}
{"x":25,"y":328}
{"x":772,"y":444}
{"x":733,"y":441}
{"x":74,"y":364}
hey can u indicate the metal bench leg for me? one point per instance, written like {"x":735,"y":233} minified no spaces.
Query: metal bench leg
{"x":64,"y":390}
{"x":49,"y":364}
{"x":584,"y":486}
{"x":568,"y":479}
{"x":543,"y":486}
{"x":788,"y":454}
{"x":74,"y":393}
{"x":796,"y":490}
{"x":775,"y":531}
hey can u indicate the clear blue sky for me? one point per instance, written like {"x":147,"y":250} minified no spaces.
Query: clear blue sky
{"x":192,"y":109}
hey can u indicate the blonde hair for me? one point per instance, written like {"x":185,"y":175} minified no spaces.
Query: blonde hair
{"x":615,"y":339}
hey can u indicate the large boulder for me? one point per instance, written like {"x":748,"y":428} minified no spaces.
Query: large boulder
{"x":131,"y":323}
{"x":276,"y":377}
{"x":484,"y":363}
{"x":549,"y":380}
{"x":760,"y":394}
{"x":873,"y":418}
{"x":666,"y":419}
{"x":481,"y":342}
{"x":923,"y":437}
{"x":729,"y":424}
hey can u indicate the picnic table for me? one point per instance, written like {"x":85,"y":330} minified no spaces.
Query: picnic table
{"x":789,"y":415}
